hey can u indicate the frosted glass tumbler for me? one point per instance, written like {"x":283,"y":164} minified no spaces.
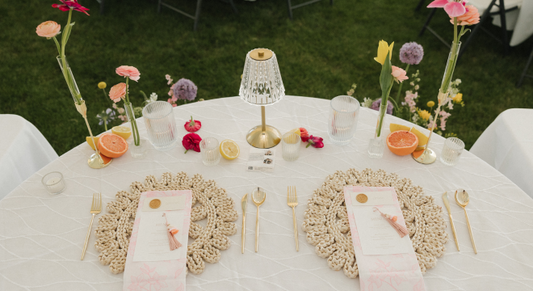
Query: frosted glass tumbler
{"x":343,"y":117}
{"x":160,"y":125}
{"x":210,"y":151}
{"x":290,"y":146}
{"x":452,"y":149}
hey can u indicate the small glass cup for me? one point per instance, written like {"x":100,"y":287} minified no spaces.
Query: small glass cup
{"x":210,"y":151}
{"x":160,"y":125}
{"x":290,"y":146}
{"x":452,"y":149}
{"x":343,"y":117}
{"x":54,"y":182}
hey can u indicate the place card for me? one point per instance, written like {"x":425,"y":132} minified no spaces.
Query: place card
{"x":377,"y":236}
{"x":164,"y":204}
{"x":261,"y":160}
{"x":398,"y":268}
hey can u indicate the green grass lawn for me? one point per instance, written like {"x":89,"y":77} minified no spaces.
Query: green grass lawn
{"x":321,"y":53}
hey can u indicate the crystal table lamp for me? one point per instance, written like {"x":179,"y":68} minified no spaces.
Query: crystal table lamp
{"x":261,"y":85}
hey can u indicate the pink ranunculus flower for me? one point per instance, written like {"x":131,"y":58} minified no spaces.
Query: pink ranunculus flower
{"x":48,"y":29}
{"x":128,"y":71}
{"x":399,"y":74}
{"x":452,"y":7}
{"x":471,"y":16}
{"x":117,"y":92}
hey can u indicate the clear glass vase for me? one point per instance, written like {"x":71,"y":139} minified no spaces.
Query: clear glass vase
{"x":376,"y":145}
{"x":69,"y":78}
{"x":137,"y":147}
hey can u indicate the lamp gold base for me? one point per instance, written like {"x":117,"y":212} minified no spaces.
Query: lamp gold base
{"x":266,"y":139}
{"x":97,"y":162}
{"x":427,"y":157}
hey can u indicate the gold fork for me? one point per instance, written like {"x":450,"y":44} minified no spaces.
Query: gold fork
{"x":96,"y":207}
{"x":292,"y":201}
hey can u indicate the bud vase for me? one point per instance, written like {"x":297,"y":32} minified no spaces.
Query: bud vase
{"x":429,"y":156}
{"x":376,"y":146}
{"x":137,"y":147}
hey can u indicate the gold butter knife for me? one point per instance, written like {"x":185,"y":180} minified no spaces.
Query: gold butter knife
{"x":447,"y":204}
{"x":244,"y":201}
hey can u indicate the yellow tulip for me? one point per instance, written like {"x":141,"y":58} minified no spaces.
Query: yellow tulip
{"x":424,"y":114}
{"x":458,"y":98}
{"x":383,"y":48}
{"x":431,"y":104}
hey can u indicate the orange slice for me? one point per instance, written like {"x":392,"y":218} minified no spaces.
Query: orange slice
{"x":112,"y":145}
{"x":402,"y":142}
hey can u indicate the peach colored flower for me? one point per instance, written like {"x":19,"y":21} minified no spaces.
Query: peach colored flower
{"x":399,"y":74}
{"x":129,"y":71}
{"x":471,"y":16}
{"x":48,"y":29}
{"x":117,"y":92}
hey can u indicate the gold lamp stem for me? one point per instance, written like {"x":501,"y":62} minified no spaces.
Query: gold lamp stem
{"x":95,"y":161}
{"x":263,"y":123}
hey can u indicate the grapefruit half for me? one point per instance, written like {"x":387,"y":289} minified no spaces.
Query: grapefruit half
{"x":112,"y":145}
{"x":402,"y":142}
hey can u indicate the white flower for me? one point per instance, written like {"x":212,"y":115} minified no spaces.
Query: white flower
{"x":367,"y":102}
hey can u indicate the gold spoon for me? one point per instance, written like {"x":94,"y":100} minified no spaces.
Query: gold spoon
{"x":462,"y":199}
{"x":258,"y":197}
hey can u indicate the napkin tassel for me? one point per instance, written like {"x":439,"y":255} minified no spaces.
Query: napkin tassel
{"x":392,"y":220}
{"x":171,"y":231}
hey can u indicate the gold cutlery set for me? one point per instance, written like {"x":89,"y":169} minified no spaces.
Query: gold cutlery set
{"x":258,"y":198}
{"x":462,"y":199}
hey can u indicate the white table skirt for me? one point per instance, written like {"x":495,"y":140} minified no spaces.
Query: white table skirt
{"x":23,"y":151}
{"x":41,"y":236}
{"x":507,"y":145}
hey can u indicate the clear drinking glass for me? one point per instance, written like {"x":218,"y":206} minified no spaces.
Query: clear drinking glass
{"x":54,"y":182}
{"x":343,"y":117}
{"x":160,"y":125}
{"x":290,"y":147}
{"x":210,"y":151}
{"x":452,"y":149}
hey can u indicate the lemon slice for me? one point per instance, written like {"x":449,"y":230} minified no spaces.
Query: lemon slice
{"x":395,"y":127}
{"x":422,"y":138}
{"x":229,"y":149}
{"x":296,"y":130}
{"x":90,"y":142}
{"x":123,"y":131}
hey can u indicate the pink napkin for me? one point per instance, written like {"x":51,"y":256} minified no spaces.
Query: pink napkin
{"x":383,"y":272}
{"x":163,"y":274}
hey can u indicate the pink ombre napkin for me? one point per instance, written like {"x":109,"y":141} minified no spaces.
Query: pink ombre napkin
{"x":385,"y":260}
{"x":150,"y":264}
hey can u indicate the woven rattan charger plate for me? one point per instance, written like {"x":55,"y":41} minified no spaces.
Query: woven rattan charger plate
{"x":328,"y":229}
{"x":208,"y":202}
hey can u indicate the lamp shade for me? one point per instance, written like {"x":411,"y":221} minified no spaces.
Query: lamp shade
{"x":261,"y":82}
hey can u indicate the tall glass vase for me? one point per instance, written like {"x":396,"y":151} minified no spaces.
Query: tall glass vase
{"x":376,"y":146}
{"x":95,"y":161}
{"x":137,"y":147}
{"x":429,"y":156}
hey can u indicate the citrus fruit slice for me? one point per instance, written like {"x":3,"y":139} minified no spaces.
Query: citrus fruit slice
{"x":402,"y":142}
{"x":123,"y":131}
{"x":229,"y":149}
{"x":422,"y":139}
{"x":394,"y":127}
{"x":90,"y":142}
{"x":296,"y":130}
{"x":112,"y":145}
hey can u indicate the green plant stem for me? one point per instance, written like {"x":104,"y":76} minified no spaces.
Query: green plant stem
{"x":57,"y":45}
{"x":133,"y":122}
{"x":383,"y":110}
{"x":70,"y":82}
{"x":401,"y":85}
{"x":105,"y":94}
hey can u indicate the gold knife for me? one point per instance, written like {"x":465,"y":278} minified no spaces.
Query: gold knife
{"x":244,"y":201}
{"x":447,"y":204}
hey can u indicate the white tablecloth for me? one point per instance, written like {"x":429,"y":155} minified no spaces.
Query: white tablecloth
{"x":23,"y":151}
{"x":41,"y":236}
{"x":507,"y":145}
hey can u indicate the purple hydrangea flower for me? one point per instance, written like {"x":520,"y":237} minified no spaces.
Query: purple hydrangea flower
{"x":377,"y":103}
{"x":184,"y":89}
{"x":411,"y":53}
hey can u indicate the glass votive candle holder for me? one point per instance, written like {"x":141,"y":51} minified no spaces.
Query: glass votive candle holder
{"x":452,"y":149}
{"x":54,"y":182}
{"x":290,"y":146}
{"x":210,"y":151}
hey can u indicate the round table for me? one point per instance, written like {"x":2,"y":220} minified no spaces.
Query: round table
{"x":41,"y":236}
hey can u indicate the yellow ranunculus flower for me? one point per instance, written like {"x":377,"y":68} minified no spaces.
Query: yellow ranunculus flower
{"x":102,"y":85}
{"x":383,"y":48}
{"x":458,"y":98}
{"x":424,"y":114}
{"x":431,"y":104}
